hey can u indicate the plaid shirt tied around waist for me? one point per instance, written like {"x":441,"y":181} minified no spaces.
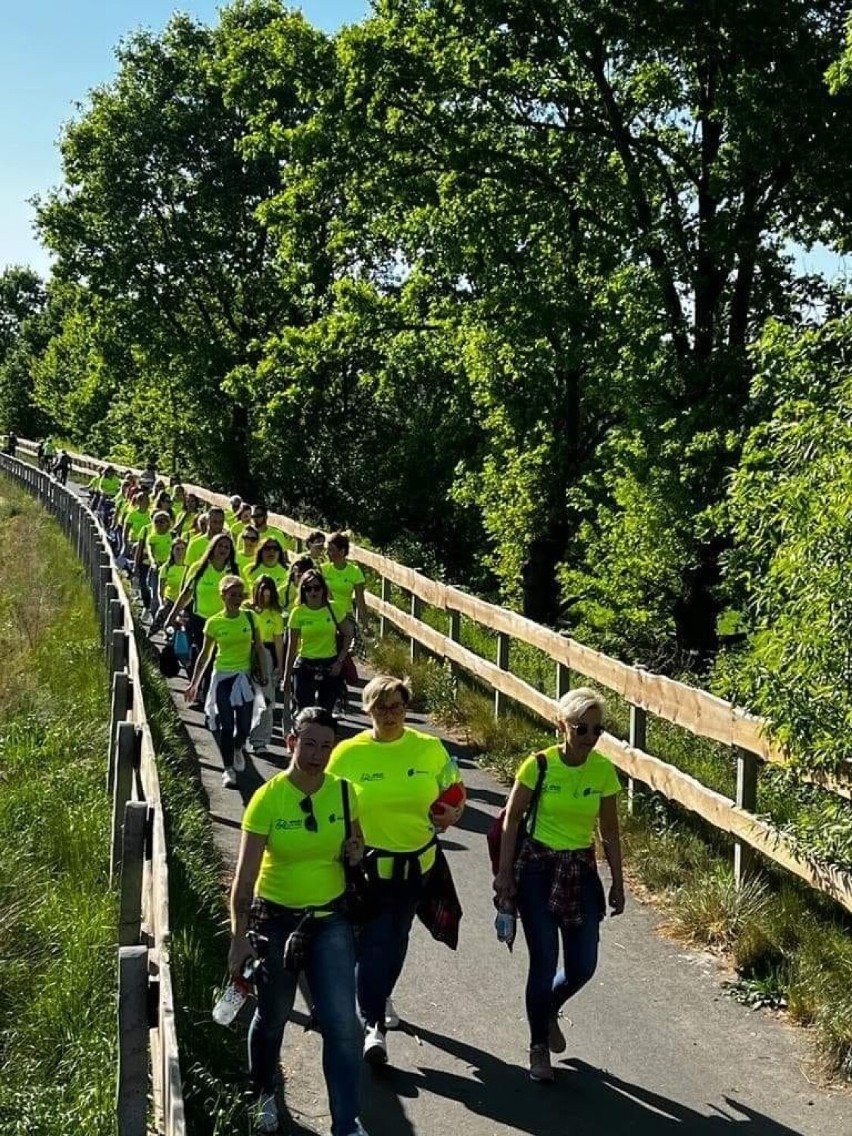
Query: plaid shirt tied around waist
{"x":570,"y":865}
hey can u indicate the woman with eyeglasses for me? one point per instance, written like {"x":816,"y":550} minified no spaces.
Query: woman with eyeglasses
{"x":267,"y":612}
{"x":551,"y":877}
{"x":268,"y":561}
{"x":318,"y":639}
{"x":290,"y":873}
{"x":399,"y":774}
{"x":247,"y":543}
{"x":233,"y":636}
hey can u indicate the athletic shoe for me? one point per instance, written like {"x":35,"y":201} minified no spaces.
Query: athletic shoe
{"x":556,"y":1042}
{"x":248,"y":747}
{"x":391,"y":1016}
{"x":239,"y":761}
{"x":541,"y":1070}
{"x":266,"y":1114}
{"x":229,"y":778}
{"x":375,"y":1046}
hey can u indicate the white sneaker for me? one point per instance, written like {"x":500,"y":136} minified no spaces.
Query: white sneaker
{"x":391,"y":1016}
{"x":375,"y":1046}
{"x":266,"y":1114}
{"x":239,"y":760}
{"x":229,"y":779}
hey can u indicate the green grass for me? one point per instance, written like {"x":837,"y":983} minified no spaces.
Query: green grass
{"x":790,"y":945}
{"x":57,"y":913}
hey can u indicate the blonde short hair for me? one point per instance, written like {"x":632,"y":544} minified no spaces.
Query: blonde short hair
{"x":573,"y":705}
{"x":228,"y":582}
{"x":382,"y":685}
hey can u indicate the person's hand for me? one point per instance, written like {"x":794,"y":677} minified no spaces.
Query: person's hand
{"x":239,"y":953}
{"x":443,"y":816}
{"x":353,"y":850}
{"x":504,"y":885}
{"x":616,"y":898}
{"x":191,"y":692}
{"x":335,"y":668}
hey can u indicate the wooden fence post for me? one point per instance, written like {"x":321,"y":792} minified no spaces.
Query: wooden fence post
{"x":563,"y":680}
{"x":454,"y":633}
{"x":416,"y":609}
{"x":132,"y":1090}
{"x":386,"y":597}
{"x":748,"y":768}
{"x":133,"y":853}
{"x":503,"y":644}
{"x":121,"y":702}
{"x":126,"y":750}
{"x":638,"y":739}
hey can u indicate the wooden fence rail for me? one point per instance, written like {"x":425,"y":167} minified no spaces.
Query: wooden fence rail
{"x":148,"y":1062}
{"x":646,"y":693}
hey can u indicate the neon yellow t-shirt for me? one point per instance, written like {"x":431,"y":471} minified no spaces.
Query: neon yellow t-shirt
{"x":397,"y":783}
{"x":342,"y":582}
{"x":233,"y":638}
{"x":196,"y":548}
{"x":570,"y":797}
{"x":299,"y":868}
{"x":317,"y":628}
{"x":173,"y":581}
{"x":138,"y":520}
{"x":158,"y":546}
{"x":271,"y":533}
{"x":108,"y":486}
{"x":206,"y":599}
{"x":269,"y":623}
{"x":278,"y":573}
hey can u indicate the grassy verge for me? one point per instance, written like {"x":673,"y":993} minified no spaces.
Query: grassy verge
{"x":57,"y":914}
{"x":790,"y":947}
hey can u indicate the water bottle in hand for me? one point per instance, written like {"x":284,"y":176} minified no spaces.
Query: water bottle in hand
{"x":505,"y":925}
{"x":234,"y":997}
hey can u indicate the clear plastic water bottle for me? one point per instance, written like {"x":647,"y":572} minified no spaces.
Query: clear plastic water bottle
{"x":236,"y":993}
{"x":505,"y":925}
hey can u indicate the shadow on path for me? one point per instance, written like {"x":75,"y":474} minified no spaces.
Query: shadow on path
{"x":584,"y":1101}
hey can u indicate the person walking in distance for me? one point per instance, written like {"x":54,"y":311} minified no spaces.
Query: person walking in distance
{"x":550,"y":873}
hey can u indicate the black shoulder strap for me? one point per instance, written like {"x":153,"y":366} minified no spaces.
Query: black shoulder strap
{"x":347,"y":814}
{"x":333,"y":617}
{"x":532,"y":811}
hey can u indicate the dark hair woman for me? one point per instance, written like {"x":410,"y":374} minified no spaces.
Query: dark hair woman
{"x":201,"y":588}
{"x":319,"y":635}
{"x":267,"y":613}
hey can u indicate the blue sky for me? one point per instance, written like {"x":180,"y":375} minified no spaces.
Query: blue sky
{"x":51,"y":55}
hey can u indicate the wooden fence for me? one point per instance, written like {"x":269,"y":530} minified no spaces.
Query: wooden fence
{"x":692,"y":709}
{"x":147,"y":1040}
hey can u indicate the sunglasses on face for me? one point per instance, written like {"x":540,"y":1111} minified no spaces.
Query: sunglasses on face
{"x":250,"y":539}
{"x":581,"y":729}
{"x":307,"y":807}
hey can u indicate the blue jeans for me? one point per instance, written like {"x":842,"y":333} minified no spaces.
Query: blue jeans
{"x":330,"y":971}
{"x":234,"y":721}
{"x":548,"y":989}
{"x":382,"y":947}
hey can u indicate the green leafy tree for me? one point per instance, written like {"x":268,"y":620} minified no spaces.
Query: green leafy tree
{"x":22,"y":297}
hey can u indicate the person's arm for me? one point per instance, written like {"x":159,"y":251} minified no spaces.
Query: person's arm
{"x":252,"y":846}
{"x":611,"y":840}
{"x":201,"y":664}
{"x":294,"y":637}
{"x":361,"y":606}
{"x":346,"y":637}
{"x":449,"y":814}
{"x":181,"y":602}
{"x":519,"y":801}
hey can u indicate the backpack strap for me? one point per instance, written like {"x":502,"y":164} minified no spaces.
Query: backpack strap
{"x":532,"y":811}
{"x":347,"y":812}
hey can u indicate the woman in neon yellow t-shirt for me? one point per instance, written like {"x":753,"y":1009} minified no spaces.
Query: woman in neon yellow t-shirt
{"x":398,"y":774}
{"x":233,"y":636}
{"x":314,"y":655}
{"x":266,"y":607}
{"x":290,"y":872}
{"x":268,"y":561}
{"x":552,"y":877}
{"x":170,"y":582}
{"x":345,"y":580}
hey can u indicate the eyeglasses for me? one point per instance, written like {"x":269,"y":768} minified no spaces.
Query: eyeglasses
{"x":307,"y":806}
{"x":313,"y":588}
{"x":582,"y":728}
{"x":390,"y":707}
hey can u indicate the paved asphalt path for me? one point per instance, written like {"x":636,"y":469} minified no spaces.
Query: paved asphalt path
{"x":654,"y":1047}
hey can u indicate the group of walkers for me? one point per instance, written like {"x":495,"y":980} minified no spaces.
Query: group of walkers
{"x":340,"y":851}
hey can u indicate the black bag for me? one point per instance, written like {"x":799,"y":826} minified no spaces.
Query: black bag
{"x":169,"y":664}
{"x":358,"y":903}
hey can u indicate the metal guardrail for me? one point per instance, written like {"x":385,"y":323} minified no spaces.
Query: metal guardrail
{"x":148,"y":1061}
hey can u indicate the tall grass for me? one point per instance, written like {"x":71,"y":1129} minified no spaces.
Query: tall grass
{"x":57,"y":914}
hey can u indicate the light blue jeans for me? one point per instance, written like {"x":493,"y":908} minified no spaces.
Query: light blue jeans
{"x":330,"y":971}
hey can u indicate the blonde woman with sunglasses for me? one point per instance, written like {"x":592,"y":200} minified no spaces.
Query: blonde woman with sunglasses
{"x":550,"y":875}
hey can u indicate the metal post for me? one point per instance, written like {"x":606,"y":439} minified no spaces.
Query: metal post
{"x":385,"y":594}
{"x":131,"y":865}
{"x":563,"y":680}
{"x":416,"y":611}
{"x":126,"y":749}
{"x":133,"y":1026}
{"x":748,"y":768}
{"x":638,"y":739}
{"x":121,"y":703}
{"x":503,"y":645}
